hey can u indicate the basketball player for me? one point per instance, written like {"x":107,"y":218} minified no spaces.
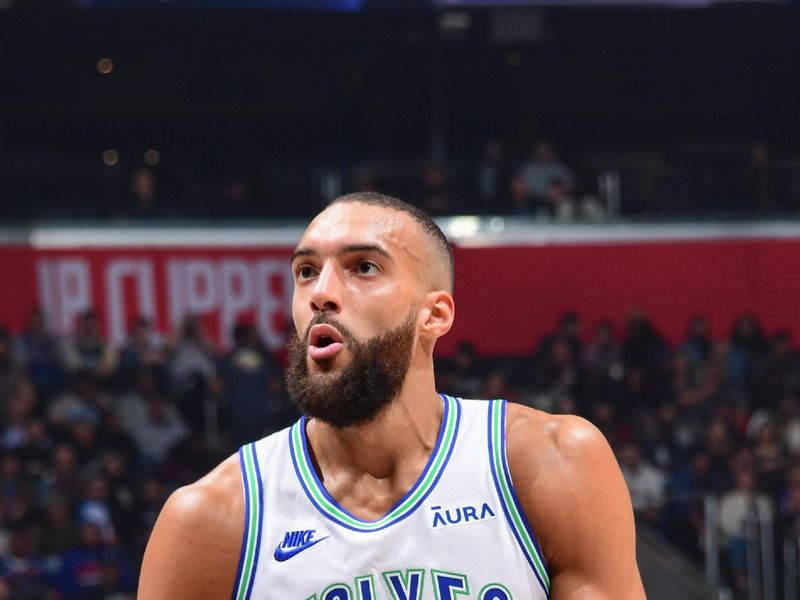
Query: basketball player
{"x":386,"y":489}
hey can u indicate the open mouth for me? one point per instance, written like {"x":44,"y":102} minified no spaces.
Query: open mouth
{"x":324,"y":342}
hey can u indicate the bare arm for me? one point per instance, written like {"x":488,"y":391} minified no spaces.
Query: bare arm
{"x":573,"y":494}
{"x":194,"y":549}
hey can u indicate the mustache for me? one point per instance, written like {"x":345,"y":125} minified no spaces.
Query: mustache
{"x":325,"y":319}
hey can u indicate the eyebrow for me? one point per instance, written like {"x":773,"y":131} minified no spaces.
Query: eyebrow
{"x":349,"y":249}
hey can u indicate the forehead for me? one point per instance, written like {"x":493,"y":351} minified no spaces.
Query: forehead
{"x":354,"y":223}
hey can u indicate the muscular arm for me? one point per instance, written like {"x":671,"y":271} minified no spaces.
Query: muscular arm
{"x":573,"y":494}
{"x":194,"y":549}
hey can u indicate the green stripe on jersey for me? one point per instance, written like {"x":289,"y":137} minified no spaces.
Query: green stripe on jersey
{"x":500,"y":462}
{"x":251,"y":520}
{"x":421,"y":488}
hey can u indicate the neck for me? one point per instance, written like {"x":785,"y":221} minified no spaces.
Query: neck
{"x":398,"y":439}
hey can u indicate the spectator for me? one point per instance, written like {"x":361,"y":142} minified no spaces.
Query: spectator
{"x":770,"y":457}
{"x":87,"y":400}
{"x":23,"y":570}
{"x":87,"y":350}
{"x":721,"y":444}
{"x":646,"y":483}
{"x":698,"y":345}
{"x":149,"y":502}
{"x":192,"y":368}
{"x":10,"y":374}
{"x":95,"y":510}
{"x":698,"y":400}
{"x":779,"y":370}
{"x":688,"y":488}
{"x":558,"y":375}
{"x":790,"y":422}
{"x":521,"y":203}
{"x":35,"y":450}
{"x":62,"y":476}
{"x":790,"y":502}
{"x":18,"y":409}
{"x":145,"y":198}
{"x":143,"y":350}
{"x":85,"y":569}
{"x":12,"y":483}
{"x":236,"y":202}
{"x":643,"y":347}
{"x":462,"y":374}
{"x":121,"y":493}
{"x":603,"y":356}
{"x":736,"y":507}
{"x":38,"y":352}
{"x":160,"y":429}
{"x":603,"y":367}
{"x":493,"y":179}
{"x":747,"y":347}
{"x":59,"y":533}
{"x":436,"y":197}
{"x":245,"y":373}
{"x":559,"y":202}
{"x":497,"y":386}
{"x":539,"y":173}
{"x":568,"y":330}
{"x":83,"y":435}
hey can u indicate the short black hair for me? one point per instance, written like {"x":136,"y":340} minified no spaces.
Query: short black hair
{"x":429,"y":226}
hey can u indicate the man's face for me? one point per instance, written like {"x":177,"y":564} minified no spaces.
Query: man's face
{"x":360,"y":265}
{"x":357,"y":295}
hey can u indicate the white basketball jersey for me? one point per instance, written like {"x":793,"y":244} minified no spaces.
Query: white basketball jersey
{"x":458,"y":532}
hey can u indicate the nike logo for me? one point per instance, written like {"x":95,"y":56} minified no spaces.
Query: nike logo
{"x":294,"y":543}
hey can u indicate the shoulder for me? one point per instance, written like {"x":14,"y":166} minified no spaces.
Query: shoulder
{"x":213,"y":498}
{"x":553,"y":458}
{"x":195,"y":545}
{"x":561,"y":445}
{"x":572,"y":492}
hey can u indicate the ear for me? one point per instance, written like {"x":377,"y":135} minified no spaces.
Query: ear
{"x":438,"y":310}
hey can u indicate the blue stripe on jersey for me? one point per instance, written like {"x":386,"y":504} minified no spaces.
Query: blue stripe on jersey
{"x":514,"y":495}
{"x":501,"y":497}
{"x":253,"y":509}
{"x":259,"y":481}
{"x":450,"y":404}
{"x":246,"y":486}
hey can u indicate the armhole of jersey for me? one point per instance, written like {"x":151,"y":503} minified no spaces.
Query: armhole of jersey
{"x":509,"y":501}
{"x":253,"y":507}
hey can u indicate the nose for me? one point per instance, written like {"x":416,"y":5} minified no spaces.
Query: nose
{"x":326,"y":294}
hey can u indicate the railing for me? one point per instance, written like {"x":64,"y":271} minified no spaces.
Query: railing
{"x":791,"y":566}
{"x":763,"y":556}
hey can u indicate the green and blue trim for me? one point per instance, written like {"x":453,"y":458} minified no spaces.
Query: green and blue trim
{"x":319,"y":497}
{"x":253,"y":509}
{"x":508,"y":497}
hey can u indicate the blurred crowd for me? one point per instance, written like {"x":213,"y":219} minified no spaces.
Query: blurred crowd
{"x":93,"y":438}
{"x":497,"y":179}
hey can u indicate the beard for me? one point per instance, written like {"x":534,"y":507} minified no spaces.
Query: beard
{"x":357,"y":392}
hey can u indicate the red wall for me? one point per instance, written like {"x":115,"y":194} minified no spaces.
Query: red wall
{"x":506,"y":297}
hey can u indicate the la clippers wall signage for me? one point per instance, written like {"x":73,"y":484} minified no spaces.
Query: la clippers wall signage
{"x":510,"y":288}
{"x":220,"y":288}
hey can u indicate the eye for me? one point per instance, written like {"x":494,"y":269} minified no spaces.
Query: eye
{"x":304,"y":272}
{"x":367,"y":267}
